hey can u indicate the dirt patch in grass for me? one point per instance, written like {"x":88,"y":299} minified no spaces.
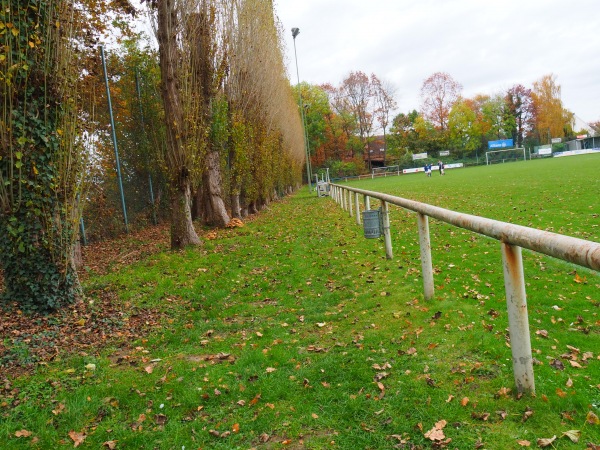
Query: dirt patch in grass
{"x":111,"y":255}
{"x":29,"y":340}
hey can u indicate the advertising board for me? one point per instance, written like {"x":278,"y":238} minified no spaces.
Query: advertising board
{"x":502,"y":143}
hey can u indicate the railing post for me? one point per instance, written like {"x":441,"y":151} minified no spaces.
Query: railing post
{"x":357,"y":208}
{"x":345,"y":199}
{"x":367,"y":202}
{"x":518,"y":321}
{"x":426,"y":265}
{"x":389,"y":254}
{"x":350,"y":195}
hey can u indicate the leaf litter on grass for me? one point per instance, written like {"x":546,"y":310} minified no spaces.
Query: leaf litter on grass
{"x":411,"y":341}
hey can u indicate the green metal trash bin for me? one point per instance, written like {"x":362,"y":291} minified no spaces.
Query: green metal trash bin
{"x":372,"y":223}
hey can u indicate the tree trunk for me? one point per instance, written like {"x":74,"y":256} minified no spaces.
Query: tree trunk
{"x":252,"y":208}
{"x":183,"y":233}
{"x":182,"y":229}
{"x":213,"y":191}
{"x":236,"y":209}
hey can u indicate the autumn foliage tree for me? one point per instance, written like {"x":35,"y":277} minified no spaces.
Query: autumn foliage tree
{"x":385,"y":103}
{"x":552,"y":119}
{"x":267,"y":147}
{"x":438,"y":93}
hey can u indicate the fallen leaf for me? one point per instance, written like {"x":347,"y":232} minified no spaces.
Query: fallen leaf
{"x":503,"y":392}
{"x":557,"y":364}
{"x":569,"y":383}
{"x":435,"y":434}
{"x":78,"y":438}
{"x":592,"y":418}
{"x":314,"y":416}
{"x":23,"y":433}
{"x":450,"y":398}
{"x":542,"y":333}
{"x":524,"y":443}
{"x":574,"y":435}
{"x":271,"y":369}
{"x":441,"y":424}
{"x":527,"y":414}
{"x":464,"y":401}
{"x":110,"y":445}
{"x":575,"y":364}
{"x":149,"y":369}
{"x":578,"y":279}
{"x":160,"y":419}
{"x":236,"y":428}
{"x":545,"y":442}
{"x":60,"y":408}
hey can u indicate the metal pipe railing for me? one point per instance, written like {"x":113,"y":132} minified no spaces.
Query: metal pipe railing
{"x":577,"y":251}
{"x":512,"y":238}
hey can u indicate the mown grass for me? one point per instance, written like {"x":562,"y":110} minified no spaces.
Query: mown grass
{"x":295,"y":332}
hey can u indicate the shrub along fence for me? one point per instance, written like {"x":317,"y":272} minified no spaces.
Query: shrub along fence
{"x":512,"y":239}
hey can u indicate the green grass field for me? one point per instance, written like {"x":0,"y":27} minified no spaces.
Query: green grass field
{"x":295,"y":332}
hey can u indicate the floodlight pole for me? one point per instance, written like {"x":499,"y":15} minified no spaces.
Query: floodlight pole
{"x":296,"y":32}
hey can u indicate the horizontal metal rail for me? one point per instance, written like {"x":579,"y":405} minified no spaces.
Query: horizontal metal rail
{"x":512,"y":238}
{"x":577,"y":251}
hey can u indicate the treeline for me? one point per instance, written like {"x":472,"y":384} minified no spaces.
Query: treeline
{"x":343,"y":125}
{"x":207,"y":128}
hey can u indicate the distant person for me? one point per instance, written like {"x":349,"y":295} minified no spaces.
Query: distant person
{"x":441,"y":167}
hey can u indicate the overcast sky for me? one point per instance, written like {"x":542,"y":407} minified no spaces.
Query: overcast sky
{"x":486,"y":45}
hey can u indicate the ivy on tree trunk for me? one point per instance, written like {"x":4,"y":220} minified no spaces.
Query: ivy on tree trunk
{"x":38,"y":211}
